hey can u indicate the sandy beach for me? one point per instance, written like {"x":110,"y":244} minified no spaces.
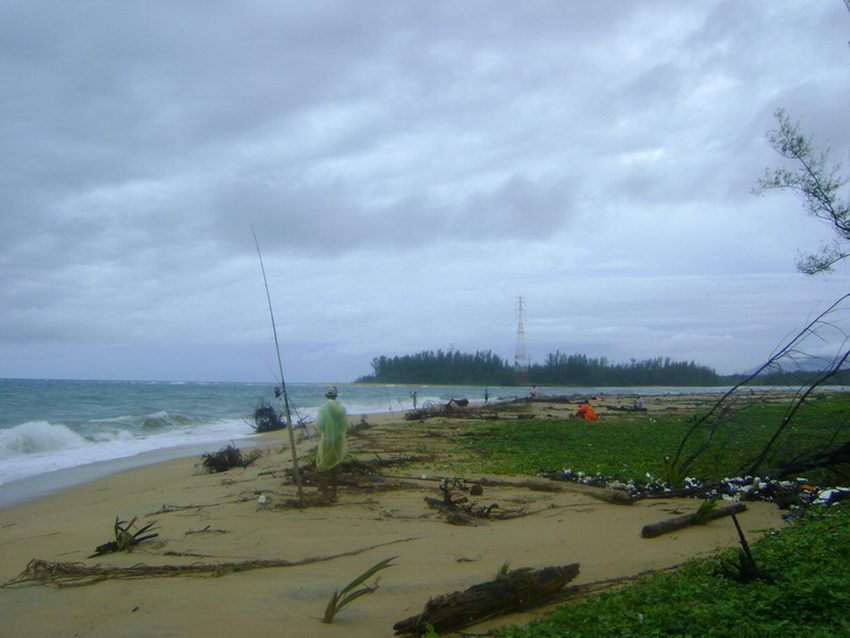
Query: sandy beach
{"x":269,"y":568}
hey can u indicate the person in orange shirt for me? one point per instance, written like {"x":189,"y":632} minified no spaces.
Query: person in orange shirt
{"x":585,"y":411}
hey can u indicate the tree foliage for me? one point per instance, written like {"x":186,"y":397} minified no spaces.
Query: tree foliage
{"x":486,"y":368}
{"x":442,"y":368}
{"x":817,"y":181}
{"x":579,"y":369}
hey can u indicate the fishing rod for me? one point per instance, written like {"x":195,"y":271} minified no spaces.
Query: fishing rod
{"x":277,"y":394}
{"x":295,"y":470}
{"x":389,"y":400}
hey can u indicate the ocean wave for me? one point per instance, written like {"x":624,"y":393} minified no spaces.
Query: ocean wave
{"x":163,"y":419}
{"x":37,"y":448}
{"x":153,"y":421}
{"x":38,"y":437}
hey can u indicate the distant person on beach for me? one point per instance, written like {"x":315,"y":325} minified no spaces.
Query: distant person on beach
{"x":534,"y":392}
{"x":332,"y":424}
{"x":486,"y":395}
{"x":413,"y":396}
{"x":585,"y":411}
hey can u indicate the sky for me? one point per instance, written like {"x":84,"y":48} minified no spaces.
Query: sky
{"x":411,"y":169}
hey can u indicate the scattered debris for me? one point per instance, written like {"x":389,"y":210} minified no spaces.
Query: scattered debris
{"x":227,"y":458}
{"x":360,"y":426}
{"x":462,"y":408}
{"x":459,"y":510}
{"x":42,"y":572}
{"x":785,"y":493}
{"x":613,"y":495}
{"x":452,"y":408}
{"x":125,"y":540}
{"x":266,"y":419}
{"x":520,"y":589}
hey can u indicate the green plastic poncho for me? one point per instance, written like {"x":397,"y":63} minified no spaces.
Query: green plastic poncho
{"x":332,"y":424}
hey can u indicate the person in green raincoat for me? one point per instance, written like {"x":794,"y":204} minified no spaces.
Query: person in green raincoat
{"x":332,"y":424}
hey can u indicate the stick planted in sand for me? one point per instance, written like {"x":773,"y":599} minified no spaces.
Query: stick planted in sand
{"x":295,"y":470}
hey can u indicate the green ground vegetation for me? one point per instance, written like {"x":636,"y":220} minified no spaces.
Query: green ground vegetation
{"x":811,"y":560}
{"x":631,"y":444}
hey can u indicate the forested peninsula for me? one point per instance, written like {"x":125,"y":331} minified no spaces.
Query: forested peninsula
{"x":486,"y":368}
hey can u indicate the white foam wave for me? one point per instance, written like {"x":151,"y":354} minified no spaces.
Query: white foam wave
{"x":35,"y":448}
{"x":37,"y":437}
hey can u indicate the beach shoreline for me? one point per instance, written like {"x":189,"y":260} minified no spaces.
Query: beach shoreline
{"x":217,"y":519}
{"x":47,"y":484}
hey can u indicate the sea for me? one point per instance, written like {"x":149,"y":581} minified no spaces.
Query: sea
{"x":57,"y":433}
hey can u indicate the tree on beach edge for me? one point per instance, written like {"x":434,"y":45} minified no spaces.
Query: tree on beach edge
{"x":817,"y":181}
{"x":823,"y":345}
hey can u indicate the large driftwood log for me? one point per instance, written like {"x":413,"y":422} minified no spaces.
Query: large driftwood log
{"x":521,"y":589}
{"x":671,"y":525}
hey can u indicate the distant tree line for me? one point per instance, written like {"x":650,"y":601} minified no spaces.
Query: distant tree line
{"x":442,"y":368}
{"x":792,"y":378}
{"x":579,"y":369}
{"x":486,"y":368}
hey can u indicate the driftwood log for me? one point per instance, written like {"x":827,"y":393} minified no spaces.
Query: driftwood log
{"x":671,"y":525}
{"x":615,"y":497}
{"x":521,"y":589}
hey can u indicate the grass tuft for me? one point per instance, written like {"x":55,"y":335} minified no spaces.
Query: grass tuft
{"x":349,"y":594}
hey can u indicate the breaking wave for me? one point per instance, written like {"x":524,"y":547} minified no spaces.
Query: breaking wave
{"x":38,"y":437}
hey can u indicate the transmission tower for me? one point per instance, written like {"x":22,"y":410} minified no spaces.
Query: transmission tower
{"x":521,"y":358}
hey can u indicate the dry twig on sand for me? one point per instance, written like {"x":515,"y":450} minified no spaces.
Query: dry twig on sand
{"x":42,"y":572}
{"x":227,"y":458}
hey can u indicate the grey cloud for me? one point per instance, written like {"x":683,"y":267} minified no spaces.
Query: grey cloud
{"x":436,"y":155}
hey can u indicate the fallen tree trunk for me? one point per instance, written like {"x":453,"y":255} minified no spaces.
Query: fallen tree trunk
{"x":521,"y":589}
{"x":838,"y":456}
{"x":671,"y":525}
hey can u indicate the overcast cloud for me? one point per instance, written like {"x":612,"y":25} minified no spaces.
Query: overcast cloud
{"x":411,"y":169}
